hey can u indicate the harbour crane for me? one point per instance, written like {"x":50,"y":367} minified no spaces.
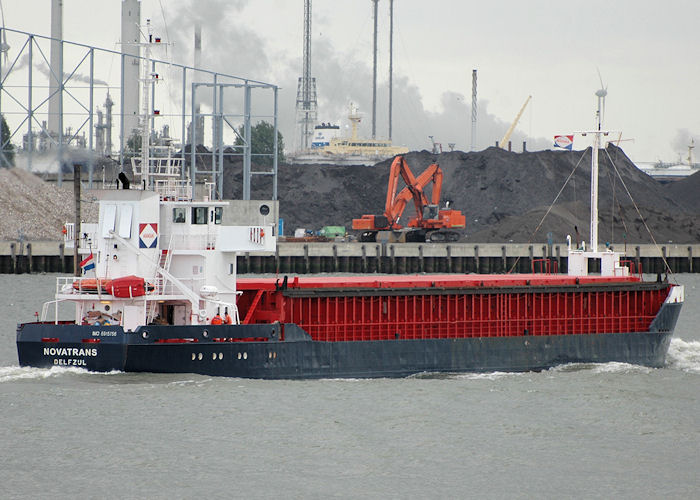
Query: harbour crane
{"x":504,"y":142}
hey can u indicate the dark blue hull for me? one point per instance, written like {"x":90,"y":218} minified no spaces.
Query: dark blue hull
{"x":199,"y":350}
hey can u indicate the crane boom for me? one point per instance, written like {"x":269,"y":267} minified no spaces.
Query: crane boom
{"x":504,"y":141}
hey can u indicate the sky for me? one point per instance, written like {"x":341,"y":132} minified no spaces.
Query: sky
{"x":646,"y":53}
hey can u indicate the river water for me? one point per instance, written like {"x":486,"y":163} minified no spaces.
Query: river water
{"x":578,"y":431}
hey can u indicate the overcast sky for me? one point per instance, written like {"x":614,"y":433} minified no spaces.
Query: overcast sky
{"x":647,"y":52}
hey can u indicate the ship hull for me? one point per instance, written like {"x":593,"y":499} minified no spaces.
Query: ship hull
{"x":255,"y":351}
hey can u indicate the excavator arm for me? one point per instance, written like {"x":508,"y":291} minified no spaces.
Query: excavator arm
{"x":414,"y":190}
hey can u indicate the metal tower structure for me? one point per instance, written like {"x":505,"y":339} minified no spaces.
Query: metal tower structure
{"x":237,"y":103}
{"x":374,"y":74}
{"x":473,"y":147}
{"x":307,"y":105}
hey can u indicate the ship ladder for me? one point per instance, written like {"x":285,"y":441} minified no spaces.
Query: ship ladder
{"x":159,"y":279}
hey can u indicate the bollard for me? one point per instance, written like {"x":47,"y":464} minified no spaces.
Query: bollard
{"x":61,"y":248}
{"x":29,"y":258}
{"x":665,"y":261}
{"x":559,"y":266}
{"x":13,"y":258}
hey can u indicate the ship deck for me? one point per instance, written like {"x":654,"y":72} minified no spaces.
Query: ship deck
{"x":431,"y":281}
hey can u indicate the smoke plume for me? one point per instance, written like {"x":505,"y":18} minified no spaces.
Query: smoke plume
{"x":229,"y":46}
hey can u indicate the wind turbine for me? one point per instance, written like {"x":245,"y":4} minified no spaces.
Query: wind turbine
{"x":601,"y":93}
{"x":4,"y":46}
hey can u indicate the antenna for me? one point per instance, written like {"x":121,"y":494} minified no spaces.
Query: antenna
{"x":601,"y":93}
{"x":307,"y":104}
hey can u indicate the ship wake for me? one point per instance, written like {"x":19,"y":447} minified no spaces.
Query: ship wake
{"x":684,"y":355}
{"x":14,"y":373}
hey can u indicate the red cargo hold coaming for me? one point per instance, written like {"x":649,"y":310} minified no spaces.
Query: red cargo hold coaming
{"x":360,"y":308}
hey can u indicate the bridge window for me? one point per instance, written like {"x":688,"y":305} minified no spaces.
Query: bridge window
{"x":199,"y":215}
{"x":218,"y":214}
{"x":179,"y":215}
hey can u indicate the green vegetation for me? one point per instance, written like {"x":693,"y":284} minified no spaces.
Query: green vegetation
{"x":262,"y":137}
{"x":7,"y":150}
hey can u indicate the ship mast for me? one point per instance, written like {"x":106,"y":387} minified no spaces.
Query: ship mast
{"x":594,"y":187}
{"x":597,"y":142}
{"x":578,"y":257}
{"x":145,"y":110}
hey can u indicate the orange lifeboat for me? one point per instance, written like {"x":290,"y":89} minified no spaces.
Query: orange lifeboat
{"x":91,"y":285}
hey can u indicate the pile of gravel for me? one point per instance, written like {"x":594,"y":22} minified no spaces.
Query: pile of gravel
{"x":32,"y":209}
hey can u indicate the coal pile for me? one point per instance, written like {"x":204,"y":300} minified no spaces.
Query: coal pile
{"x":686,"y":192}
{"x":504,"y":195}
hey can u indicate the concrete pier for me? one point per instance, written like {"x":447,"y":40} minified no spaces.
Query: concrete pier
{"x":402,"y":258}
{"x":395,"y":258}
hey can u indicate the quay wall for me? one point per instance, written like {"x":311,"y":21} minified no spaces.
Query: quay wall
{"x":396,"y":258}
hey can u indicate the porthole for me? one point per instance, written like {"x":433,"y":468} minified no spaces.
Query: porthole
{"x":245,"y":355}
{"x":239,"y":355}
{"x":221,"y":355}
{"x":200,"y":356}
{"x":205,"y":334}
{"x":194,"y":356}
{"x":213,"y":356}
{"x":145,"y":334}
{"x":274,"y":355}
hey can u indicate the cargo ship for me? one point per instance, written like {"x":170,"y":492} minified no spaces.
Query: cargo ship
{"x":159,"y":293}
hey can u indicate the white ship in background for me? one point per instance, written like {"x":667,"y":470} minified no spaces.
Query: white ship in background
{"x":671,"y":171}
{"x":327,"y":147}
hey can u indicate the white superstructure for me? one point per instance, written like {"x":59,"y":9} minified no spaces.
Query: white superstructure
{"x":177,"y":245}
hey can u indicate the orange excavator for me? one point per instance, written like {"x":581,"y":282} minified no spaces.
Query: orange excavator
{"x":430,"y":223}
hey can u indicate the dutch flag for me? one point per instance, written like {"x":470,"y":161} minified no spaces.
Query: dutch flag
{"x":88,"y":263}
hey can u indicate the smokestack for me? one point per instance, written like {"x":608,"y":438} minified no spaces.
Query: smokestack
{"x":391,"y":59}
{"x":56,"y":76}
{"x":131,"y":23}
{"x":199,"y":120}
{"x":197,"y":44}
{"x":108,"y":142}
{"x":374,"y":75}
